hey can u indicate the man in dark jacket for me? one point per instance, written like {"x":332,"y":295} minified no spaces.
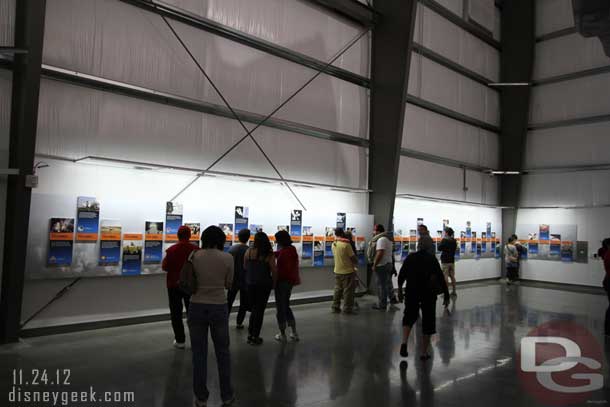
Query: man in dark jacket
{"x":175,"y":257}
{"x":425,"y":281}
{"x":448,"y":247}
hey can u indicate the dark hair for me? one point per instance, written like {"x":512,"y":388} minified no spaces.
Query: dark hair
{"x":348,"y":235}
{"x":449,"y":231}
{"x":339,"y":232}
{"x":512,"y":238}
{"x":283,"y":239}
{"x":244,"y":235}
{"x":606,"y":243}
{"x":213,"y":238}
{"x":184,"y":233}
{"x":379,"y":228}
{"x":422,"y":226}
{"x":262,"y":245}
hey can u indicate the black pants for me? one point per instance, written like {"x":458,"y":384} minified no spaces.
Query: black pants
{"x":244,"y":303}
{"x":607,"y":322}
{"x":176,"y":298}
{"x":512,"y":273}
{"x":259,"y":296}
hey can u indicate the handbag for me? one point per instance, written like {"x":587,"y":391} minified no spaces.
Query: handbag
{"x":188,"y":278}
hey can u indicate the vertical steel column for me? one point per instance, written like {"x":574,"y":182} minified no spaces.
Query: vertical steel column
{"x":516,"y":64}
{"x":29,"y":33}
{"x":390,"y":62}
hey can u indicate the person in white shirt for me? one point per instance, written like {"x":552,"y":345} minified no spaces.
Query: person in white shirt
{"x":381,"y":246}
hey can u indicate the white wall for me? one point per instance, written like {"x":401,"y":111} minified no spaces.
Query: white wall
{"x":593,"y":226}
{"x":407,"y":211}
{"x":117,"y":41}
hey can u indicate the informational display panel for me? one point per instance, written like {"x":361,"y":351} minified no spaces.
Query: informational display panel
{"x":548,"y":242}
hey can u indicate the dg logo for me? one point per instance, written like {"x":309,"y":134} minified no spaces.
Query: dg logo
{"x":560,"y":363}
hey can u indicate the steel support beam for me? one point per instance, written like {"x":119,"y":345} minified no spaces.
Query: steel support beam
{"x":516,"y":65}
{"x":557,"y":34}
{"x":390,"y":61}
{"x":29,"y":34}
{"x":602,"y":70}
{"x":193,"y":20}
{"x":351,"y":9}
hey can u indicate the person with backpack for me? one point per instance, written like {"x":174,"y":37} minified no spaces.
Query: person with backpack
{"x":425,"y":281}
{"x":511,"y":260}
{"x":448,"y":247}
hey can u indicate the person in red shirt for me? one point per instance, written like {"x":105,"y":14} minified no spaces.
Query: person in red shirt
{"x":175,"y":257}
{"x":604,"y":254}
{"x":287,"y":277}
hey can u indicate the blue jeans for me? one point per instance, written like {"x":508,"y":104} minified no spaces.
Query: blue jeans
{"x":284,"y":315}
{"x":214,"y":317}
{"x":384,"y":275}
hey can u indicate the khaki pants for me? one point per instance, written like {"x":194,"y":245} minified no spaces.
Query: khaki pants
{"x":345,"y":286}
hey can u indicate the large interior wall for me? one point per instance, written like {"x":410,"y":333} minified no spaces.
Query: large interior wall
{"x":567,"y":144}
{"x":435,"y":134}
{"x":114,"y":40}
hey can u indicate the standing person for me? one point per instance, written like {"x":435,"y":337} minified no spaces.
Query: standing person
{"x":238,"y":251}
{"x":175,"y":257}
{"x":604,"y":254}
{"x":213,"y":269}
{"x":345,"y":273}
{"x":425,"y":241}
{"x":511,"y":259}
{"x":261,"y":276}
{"x":448,"y":247}
{"x":380,"y":256}
{"x":425,"y":281}
{"x":349,"y":236}
{"x":287,"y":277}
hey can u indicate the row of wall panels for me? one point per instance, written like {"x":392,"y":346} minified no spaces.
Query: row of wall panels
{"x":77,"y":122}
{"x":440,"y":85}
{"x":7,"y":23}
{"x":428,"y":132}
{"x":115,"y":40}
{"x":581,"y":189}
{"x":449,"y":40}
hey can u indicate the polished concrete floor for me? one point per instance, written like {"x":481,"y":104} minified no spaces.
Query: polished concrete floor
{"x":341,"y":360}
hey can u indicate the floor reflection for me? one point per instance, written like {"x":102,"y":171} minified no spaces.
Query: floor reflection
{"x":340,"y":361}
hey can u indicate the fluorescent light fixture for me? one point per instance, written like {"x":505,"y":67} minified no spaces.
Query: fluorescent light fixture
{"x":505,"y":172}
{"x":509,"y":84}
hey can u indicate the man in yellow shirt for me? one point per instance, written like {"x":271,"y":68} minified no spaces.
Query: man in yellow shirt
{"x":345,"y":273}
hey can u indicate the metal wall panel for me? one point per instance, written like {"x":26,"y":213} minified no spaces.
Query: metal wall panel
{"x":567,"y":54}
{"x":483,"y":12}
{"x":7,"y":23}
{"x":115,"y":40}
{"x":566,"y":146}
{"x":297,"y":25}
{"x":569,"y":189}
{"x":431,"y":133}
{"x":437,"y":33}
{"x":422,"y":178}
{"x":553,"y":15}
{"x":573,"y":99}
{"x":78,"y":122}
{"x":437,"y":84}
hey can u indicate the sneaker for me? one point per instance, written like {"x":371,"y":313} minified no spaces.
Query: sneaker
{"x":403,"y":350}
{"x":229,"y":401}
{"x":199,"y":403}
{"x":378,"y":307}
{"x":281,"y":337}
{"x":294,"y":337}
{"x":255,"y":341}
{"x":179,"y":345}
{"x":336,"y":310}
{"x":453,"y":293}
